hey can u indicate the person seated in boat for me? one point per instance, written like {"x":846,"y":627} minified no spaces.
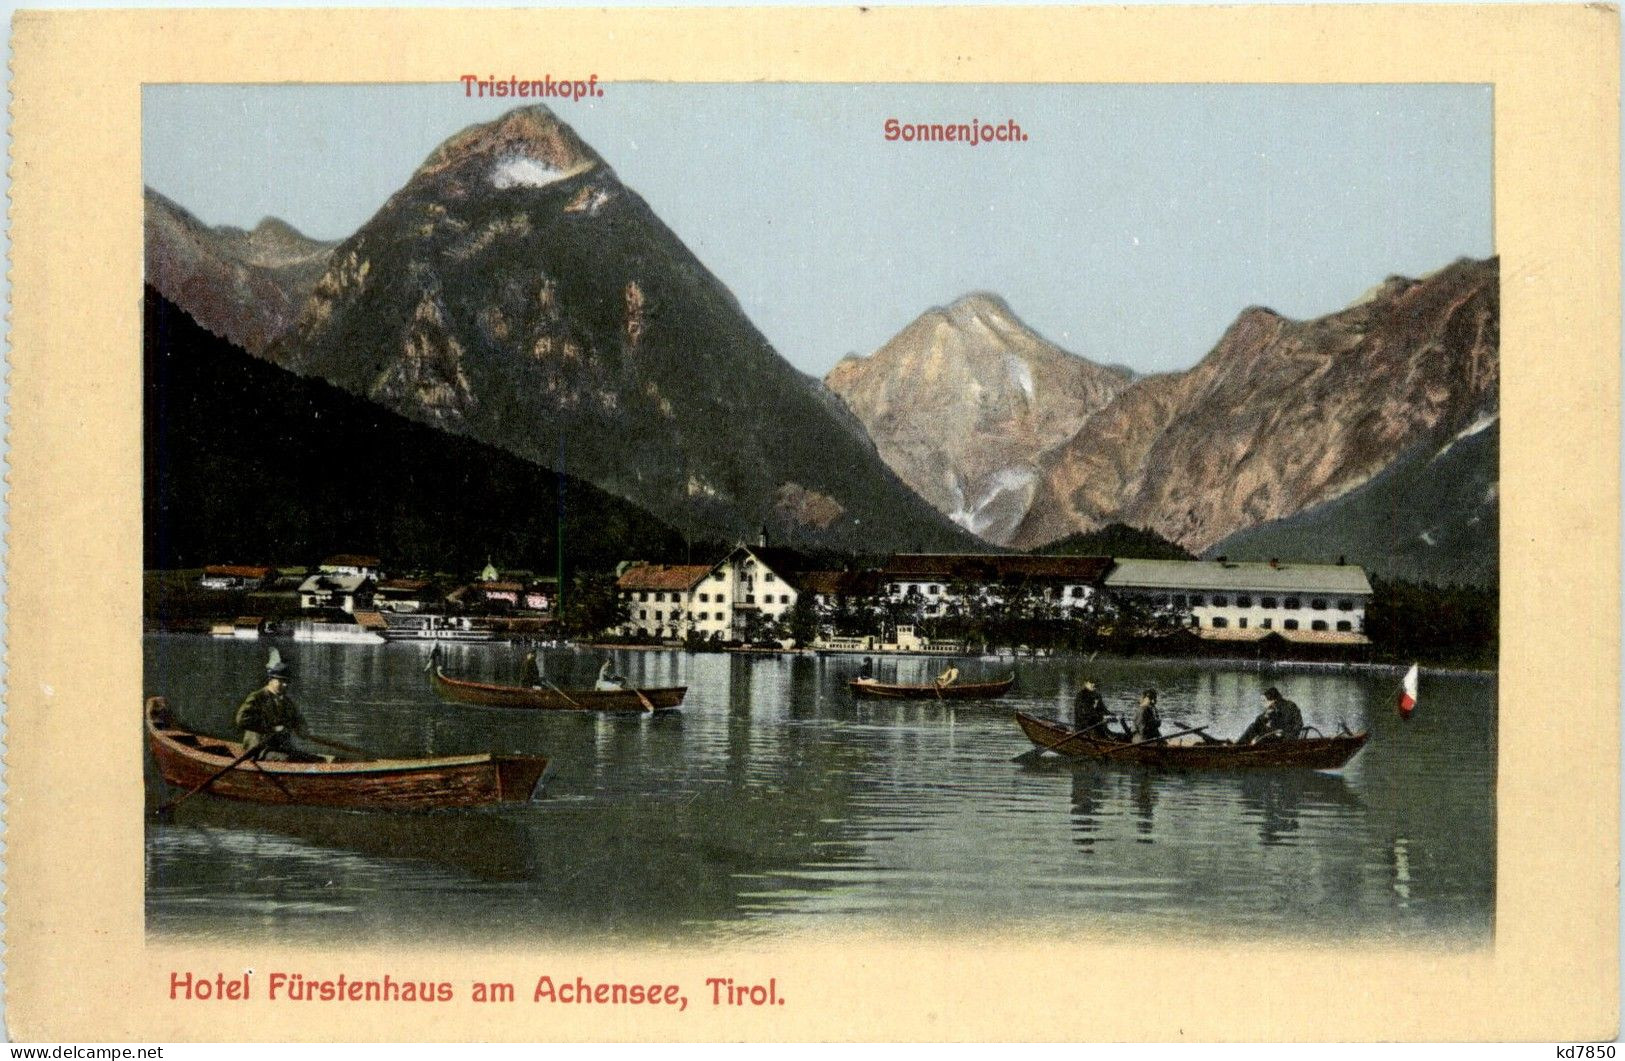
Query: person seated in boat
{"x":530,"y":672}
{"x":1089,"y":711}
{"x":866,"y":673}
{"x":608,"y":680}
{"x":269,"y":719}
{"x":1280,"y":720}
{"x":1147,"y":722}
{"x":948,"y":677}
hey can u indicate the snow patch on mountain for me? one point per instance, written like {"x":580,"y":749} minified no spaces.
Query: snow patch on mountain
{"x":1020,"y":374}
{"x":521,"y":172}
{"x":1481,"y":424}
{"x":978,"y":515}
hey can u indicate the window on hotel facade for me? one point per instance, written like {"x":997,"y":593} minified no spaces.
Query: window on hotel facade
{"x":1267,"y":602}
{"x":642,"y":614}
{"x":1291,"y":624}
{"x":1077,"y":591}
{"x":1293,"y":604}
{"x":1221,"y":601}
{"x":1266,"y":624}
{"x":784,"y":598}
{"x":750,"y":598}
{"x":1318,"y":604}
{"x":1181,"y":601}
{"x":767,"y":576}
{"x":934,"y":589}
{"x":1318,"y":624}
{"x":1220,"y":622}
{"x":1345,"y":626}
{"x":1345,"y":605}
{"x":705,"y":598}
{"x":1196,"y":600}
{"x":1242,"y":622}
{"x":1244,"y":601}
{"x":893,"y":589}
{"x":718,"y":576}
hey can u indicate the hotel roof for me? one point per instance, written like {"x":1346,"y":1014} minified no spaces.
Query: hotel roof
{"x":993,"y":567}
{"x":1229,"y":575}
{"x":662,"y":576}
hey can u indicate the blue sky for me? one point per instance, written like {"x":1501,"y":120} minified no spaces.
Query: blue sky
{"x":1131,"y":226}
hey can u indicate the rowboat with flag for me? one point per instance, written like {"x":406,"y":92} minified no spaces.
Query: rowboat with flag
{"x":1307,"y":753}
{"x":198,"y":763}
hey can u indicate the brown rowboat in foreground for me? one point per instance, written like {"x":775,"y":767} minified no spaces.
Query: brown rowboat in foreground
{"x":1316,"y":753}
{"x":187,"y":760}
{"x":871,"y":690}
{"x":487,"y":694}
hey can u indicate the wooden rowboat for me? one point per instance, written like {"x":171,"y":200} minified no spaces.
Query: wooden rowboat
{"x":1317,"y":753}
{"x":870,"y":690}
{"x":187,"y":759}
{"x":486,"y":694}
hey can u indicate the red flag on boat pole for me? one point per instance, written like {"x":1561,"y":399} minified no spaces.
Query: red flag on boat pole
{"x":1407,"y":693}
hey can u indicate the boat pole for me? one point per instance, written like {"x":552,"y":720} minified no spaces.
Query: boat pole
{"x":217,"y":775}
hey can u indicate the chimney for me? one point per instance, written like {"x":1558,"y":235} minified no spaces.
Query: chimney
{"x":761,"y":536}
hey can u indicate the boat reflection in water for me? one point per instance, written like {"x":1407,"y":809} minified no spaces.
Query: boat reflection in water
{"x":777,"y":804}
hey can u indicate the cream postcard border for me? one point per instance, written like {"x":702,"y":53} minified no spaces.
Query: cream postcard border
{"x":81,"y":966}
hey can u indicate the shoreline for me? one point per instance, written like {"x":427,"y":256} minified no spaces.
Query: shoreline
{"x":1233,"y":662}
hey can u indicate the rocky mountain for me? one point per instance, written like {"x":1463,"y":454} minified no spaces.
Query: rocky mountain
{"x":515,"y":291}
{"x":1431,"y":515}
{"x":245,"y":286}
{"x":247,"y":462}
{"x":1283,"y":415}
{"x":966,"y":403}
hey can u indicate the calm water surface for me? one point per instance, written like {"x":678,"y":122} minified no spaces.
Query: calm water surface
{"x":775,"y":802}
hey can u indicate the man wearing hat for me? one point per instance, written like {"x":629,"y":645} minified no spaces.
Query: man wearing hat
{"x":1089,"y":710}
{"x":269,"y":719}
{"x":1280,"y":720}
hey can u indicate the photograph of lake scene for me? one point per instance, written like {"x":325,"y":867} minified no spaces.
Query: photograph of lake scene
{"x":719,"y":513}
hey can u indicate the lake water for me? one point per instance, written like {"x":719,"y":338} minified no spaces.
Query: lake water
{"x":775,"y":802}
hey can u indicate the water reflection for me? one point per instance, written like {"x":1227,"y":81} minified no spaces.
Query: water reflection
{"x":776,"y":802}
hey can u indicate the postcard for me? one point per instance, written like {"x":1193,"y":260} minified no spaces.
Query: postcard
{"x":814,"y":524}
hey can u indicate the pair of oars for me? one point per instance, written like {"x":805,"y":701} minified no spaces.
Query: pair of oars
{"x":252,"y":754}
{"x":648,"y":705}
{"x":1037,"y":753}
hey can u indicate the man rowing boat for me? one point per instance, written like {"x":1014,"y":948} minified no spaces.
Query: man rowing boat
{"x":269,"y":719}
{"x":1279,"y":721}
{"x":1089,"y":711}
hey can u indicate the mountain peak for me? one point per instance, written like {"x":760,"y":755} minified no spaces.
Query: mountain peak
{"x":525,"y":135}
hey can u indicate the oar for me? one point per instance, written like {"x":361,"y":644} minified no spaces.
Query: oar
{"x":1154,"y":740}
{"x":217,"y":775}
{"x":274,"y":780}
{"x":1032,"y":755}
{"x":563,"y":694}
{"x":648,"y":705}
{"x":340,"y":745}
